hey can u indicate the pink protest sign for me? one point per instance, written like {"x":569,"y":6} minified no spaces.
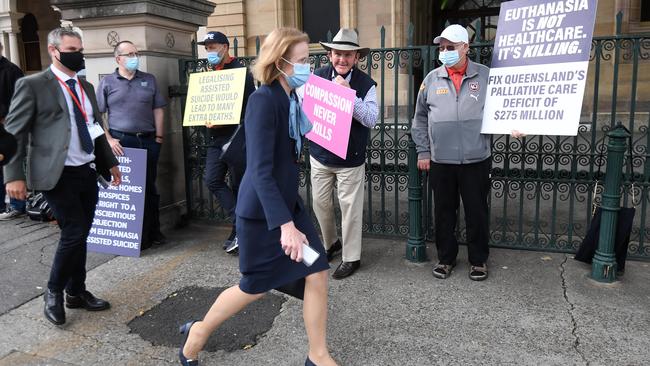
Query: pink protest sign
{"x":329,"y":108}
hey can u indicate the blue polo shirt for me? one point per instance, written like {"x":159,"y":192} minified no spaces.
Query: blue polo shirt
{"x":130,"y":103}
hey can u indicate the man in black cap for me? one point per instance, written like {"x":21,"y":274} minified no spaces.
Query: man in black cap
{"x":217,"y":46}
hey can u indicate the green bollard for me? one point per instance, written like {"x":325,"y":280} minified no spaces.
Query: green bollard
{"x":416,"y":251}
{"x":603,"y":267}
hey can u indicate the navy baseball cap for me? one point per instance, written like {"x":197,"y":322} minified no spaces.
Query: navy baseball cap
{"x":215,"y":37}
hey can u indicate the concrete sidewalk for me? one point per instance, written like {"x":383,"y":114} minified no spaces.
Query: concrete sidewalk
{"x":536,"y":308}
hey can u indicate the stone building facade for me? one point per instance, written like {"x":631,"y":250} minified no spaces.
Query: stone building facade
{"x":248,"y":20}
{"x":163,"y":30}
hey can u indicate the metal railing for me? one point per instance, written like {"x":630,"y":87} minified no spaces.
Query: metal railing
{"x":542,"y":186}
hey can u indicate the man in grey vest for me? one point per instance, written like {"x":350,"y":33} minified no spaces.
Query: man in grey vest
{"x":56,"y":114}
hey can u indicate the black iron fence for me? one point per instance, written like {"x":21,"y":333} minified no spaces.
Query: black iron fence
{"x":542,"y":186}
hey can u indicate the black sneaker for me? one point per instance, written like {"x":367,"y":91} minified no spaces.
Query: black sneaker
{"x":11,"y":214}
{"x":233,"y":248}
{"x":228,"y":242}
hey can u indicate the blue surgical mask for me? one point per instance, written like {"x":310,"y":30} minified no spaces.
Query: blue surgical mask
{"x":449,"y":58}
{"x":214,"y":58}
{"x":132,"y":63}
{"x":301,"y":73}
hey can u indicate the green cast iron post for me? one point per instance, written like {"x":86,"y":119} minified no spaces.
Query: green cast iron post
{"x":189,"y":192}
{"x":415,"y":248}
{"x":604,"y":264}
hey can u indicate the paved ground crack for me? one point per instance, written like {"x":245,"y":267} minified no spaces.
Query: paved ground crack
{"x":570,"y":310}
{"x":42,"y":254}
{"x":99,"y":342}
{"x":10,"y":251}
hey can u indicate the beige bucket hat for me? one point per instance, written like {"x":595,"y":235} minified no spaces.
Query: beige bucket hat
{"x":346,"y":40}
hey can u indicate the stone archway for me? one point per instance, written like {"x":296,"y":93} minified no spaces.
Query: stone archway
{"x":30,"y":41}
{"x":431,"y":16}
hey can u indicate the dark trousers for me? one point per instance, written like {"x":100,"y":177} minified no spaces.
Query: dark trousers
{"x":472,"y":182}
{"x":215,"y":177}
{"x":3,"y":192}
{"x":151,"y":217}
{"x":73,"y":201}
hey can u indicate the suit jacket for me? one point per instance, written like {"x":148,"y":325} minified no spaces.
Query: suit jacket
{"x":38,"y":117}
{"x":269,"y":188}
{"x":7,"y":146}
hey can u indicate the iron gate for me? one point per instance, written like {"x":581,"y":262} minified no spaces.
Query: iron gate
{"x":542,"y":186}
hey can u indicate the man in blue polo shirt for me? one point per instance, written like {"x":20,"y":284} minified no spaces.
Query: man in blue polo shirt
{"x":135,"y":119}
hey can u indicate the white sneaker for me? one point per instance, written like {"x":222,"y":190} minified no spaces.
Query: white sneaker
{"x":233,"y":247}
{"x":10,"y":214}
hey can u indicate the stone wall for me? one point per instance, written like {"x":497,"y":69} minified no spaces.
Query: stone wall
{"x":259,"y":17}
{"x":163,"y":32}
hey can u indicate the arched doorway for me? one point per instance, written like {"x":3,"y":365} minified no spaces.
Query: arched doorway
{"x":31,"y":44}
{"x":431,"y":17}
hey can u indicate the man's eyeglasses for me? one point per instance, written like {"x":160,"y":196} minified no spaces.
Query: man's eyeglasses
{"x":132,"y":54}
{"x":450,"y":47}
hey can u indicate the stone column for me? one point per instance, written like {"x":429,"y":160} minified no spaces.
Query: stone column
{"x":9,"y":28}
{"x":14,"y":56}
{"x":398,"y":27}
{"x":230,"y":19}
{"x":5,"y":42}
{"x":162,"y":30}
{"x":348,"y":10}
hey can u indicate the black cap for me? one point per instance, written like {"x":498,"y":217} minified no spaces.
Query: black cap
{"x":215,"y":37}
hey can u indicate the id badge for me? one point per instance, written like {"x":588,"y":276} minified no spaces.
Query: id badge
{"x":95,"y":130}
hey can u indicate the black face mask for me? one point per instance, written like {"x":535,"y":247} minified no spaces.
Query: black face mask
{"x":343,"y":75}
{"x":72,"y":60}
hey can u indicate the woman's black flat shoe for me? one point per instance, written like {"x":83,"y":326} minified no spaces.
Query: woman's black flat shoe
{"x":309,"y":363}
{"x":185,"y":330}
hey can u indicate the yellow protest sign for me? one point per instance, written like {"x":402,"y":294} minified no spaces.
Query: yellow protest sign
{"x":215,"y":97}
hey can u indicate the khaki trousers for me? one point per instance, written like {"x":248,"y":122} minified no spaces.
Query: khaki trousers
{"x":350,"y":188}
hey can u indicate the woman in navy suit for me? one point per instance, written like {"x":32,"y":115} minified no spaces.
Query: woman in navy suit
{"x":272,"y":222}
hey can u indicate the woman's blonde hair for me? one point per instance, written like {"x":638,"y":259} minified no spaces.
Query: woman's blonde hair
{"x":276,"y":45}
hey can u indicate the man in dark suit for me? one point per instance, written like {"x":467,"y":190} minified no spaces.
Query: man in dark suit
{"x":56,"y":113}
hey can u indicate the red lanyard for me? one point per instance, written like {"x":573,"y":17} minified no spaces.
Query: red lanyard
{"x":82,"y":106}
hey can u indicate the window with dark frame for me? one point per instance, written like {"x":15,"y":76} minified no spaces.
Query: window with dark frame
{"x":318,"y":17}
{"x":645,"y":10}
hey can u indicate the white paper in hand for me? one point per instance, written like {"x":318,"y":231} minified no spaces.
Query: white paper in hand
{"x":309,"y":255}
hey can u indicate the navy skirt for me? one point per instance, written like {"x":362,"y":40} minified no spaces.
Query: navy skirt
{"x":262,"y":262}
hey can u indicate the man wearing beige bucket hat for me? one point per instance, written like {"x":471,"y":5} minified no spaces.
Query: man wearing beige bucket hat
{"x":327,"y":169}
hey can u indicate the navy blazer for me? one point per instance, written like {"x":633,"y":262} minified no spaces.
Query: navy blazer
{"x":269,"y":188}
